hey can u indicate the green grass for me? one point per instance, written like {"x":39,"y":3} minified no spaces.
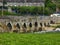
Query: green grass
{"x":29,"y":39}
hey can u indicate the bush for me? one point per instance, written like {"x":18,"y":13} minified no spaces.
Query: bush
{"x":33,"y":10}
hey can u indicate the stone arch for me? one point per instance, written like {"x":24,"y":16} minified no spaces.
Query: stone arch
{"x":48,"y":24}
{"x":45,"y":24}
{"x":18,"y":26}
{"x":52,"y":22}
{"x":36,"y":24}
{"x":35,"y":28}
{"x":30,"y":25}
{"x":9,"y":26}
{"x":41,"y":24}
{"x":24,"y":25}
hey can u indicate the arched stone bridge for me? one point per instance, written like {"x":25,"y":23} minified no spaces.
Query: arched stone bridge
{"x":26,"y":23}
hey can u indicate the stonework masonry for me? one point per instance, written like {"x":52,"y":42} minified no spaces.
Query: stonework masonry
{"x":26,"y":23}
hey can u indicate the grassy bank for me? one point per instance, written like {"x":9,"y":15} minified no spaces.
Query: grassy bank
{"x":29,"y":39}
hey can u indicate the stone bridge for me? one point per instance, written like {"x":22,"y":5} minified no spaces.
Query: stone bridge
{"x":26,"y":23}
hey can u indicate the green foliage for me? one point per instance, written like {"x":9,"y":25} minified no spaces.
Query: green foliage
{"x":7,"y":13}
{"x":49,"y":4}
{"x":58,"y":26}
{"x":48,"y":11}
{"x":23,"y":10}
{"x":33,"y":10}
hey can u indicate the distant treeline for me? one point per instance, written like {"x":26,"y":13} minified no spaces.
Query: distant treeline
{"x":33,"y":10}
{"x":29,"y":10}
{"x":47,"y":9}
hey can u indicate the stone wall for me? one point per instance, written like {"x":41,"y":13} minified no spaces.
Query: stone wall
{"x":26,"y":23}
{"x":23,"y":4}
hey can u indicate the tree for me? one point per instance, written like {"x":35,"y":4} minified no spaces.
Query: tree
{"x":57,"y":3}
{"x":4,"y":2}
{"x":50,"y":7}
{"x":47,"y":2}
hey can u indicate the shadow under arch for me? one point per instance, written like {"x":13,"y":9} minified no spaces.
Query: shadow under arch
{"x":48,"y":25}
{"x":24,"y":27}
{"x":36,"y":24}
{"x":35,"y":28}
{"x":18,"y":25}
{"x":41,"y":24}
{"x":45,"y":24}
{"x":9,"y":26}
{"x":30,"y":25}
{"x":52,"y":22}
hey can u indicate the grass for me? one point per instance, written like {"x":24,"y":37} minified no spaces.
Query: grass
{"x":30,"y":39}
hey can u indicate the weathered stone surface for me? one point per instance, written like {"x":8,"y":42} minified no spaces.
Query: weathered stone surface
{"x":26,"y":23}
